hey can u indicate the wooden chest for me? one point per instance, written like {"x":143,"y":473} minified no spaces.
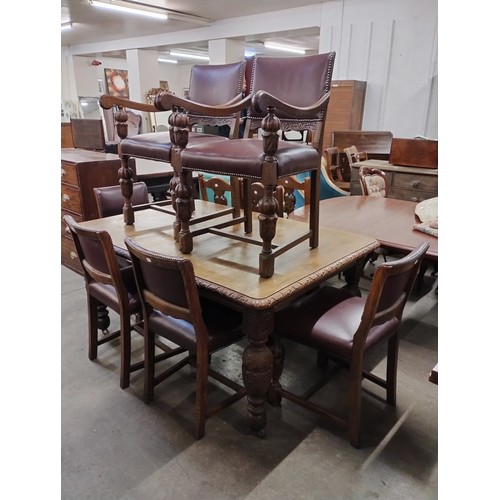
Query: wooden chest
{"x":81,"y":172}
{"x":421,"y":153}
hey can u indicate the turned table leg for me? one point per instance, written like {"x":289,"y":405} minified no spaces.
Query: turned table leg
{"x":257,"y":366}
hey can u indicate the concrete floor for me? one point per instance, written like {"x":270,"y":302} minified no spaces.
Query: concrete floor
{"x":113,"y":446}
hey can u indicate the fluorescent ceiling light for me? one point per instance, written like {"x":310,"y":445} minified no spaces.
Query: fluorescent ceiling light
{"x":129,"y":10}
{"x":286,"y":48}
{"x":170,"y":61}
{"x":66,"y":26}
{"x":189,"y":56}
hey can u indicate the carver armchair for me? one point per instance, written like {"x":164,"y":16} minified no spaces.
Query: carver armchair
{"x":210,"y":85}
{"x":289,"y":93}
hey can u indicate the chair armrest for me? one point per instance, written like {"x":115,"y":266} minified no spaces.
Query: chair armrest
{"x":166,"y":101}
{"x":262,"y":100}
{"x":107,"y":101}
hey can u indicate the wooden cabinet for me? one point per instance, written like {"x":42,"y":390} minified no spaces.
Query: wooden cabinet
{"x":66,"y":135}
{"x":81,"y":172}
{"x":345,"y":109}
{"x":404,"y":183}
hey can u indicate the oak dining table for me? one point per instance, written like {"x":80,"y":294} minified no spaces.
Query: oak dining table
{"x":226,"y":269}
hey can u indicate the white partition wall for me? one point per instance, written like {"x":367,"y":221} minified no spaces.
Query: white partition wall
{"x":390,"y":44}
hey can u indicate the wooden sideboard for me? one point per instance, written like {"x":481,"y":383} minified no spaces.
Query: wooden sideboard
{"x":404,"y":183}
{"x":345,"y":109}
{"x":81,"y":172}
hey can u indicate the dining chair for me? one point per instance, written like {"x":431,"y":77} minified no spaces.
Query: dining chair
{"x":292,"y":186}
{"x":224,"y":191}
{"x":354,"y":156}
{"x":257,"y":193}
{"x":289,"y":93}
{"x":109,"y":199}
{"x":373,"y":182}
{"x":334,"y":168}
{"x":346,"y":329}
{"x":109,"y":286}
{"x":173,"y":309}
{"x":110,"y":202}
{"x":210,"y":85}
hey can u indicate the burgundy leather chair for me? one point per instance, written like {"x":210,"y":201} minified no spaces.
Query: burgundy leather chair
{"x":286,"y":93}
{"x":173,"y":309}
{"x":110,"y":198}
{"x":346,"y":328}
{"x":210,"y":85}
{"x":109,"y":285}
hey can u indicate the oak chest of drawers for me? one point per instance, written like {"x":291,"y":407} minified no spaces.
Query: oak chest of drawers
{"x":404,"y":183}
{"x":81,"y":172}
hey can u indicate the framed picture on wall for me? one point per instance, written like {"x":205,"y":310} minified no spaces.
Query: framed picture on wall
{"x":117,"y":82}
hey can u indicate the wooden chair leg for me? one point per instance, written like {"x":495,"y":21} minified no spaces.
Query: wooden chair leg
{"x":184,"y":210}
{"x":354,"y":403}
{"x":267,"y":228}
{"x":314,"y":208}
{"x":126,"y":180}
{"x":125,"y":349}
{"x":200,"y":412}
{"x":93,"y":330}
{"x":392,"y":368}
{"x":149,"y":365}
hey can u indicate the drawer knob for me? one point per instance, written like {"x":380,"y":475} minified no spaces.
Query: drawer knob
{"x":65,"y":198}
{"x":73,"y":255}
{"x":415,"y":184}
{"x":63,"y":172}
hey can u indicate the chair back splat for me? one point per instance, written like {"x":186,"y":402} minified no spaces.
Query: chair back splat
{"x":289,"y":93}
{"x":210,"y":85}
{"x":345,"y":329}
{"x":173,"y":310}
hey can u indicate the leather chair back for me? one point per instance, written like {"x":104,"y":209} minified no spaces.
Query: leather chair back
{"x":290,"y":79}
{"x":215,"y":84}
{"x":110,"y":198}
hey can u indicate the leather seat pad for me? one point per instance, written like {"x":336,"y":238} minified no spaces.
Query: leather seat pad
{"x":244,"y":157}
{"x":328,"y":320}
{"x":157,"y":145}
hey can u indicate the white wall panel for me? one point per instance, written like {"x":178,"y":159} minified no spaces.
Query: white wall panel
{"x":392,"y":45}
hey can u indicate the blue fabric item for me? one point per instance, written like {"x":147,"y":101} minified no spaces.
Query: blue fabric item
{"x":325,"y":191}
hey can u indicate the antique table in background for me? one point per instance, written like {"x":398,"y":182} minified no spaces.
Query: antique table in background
{"x":227,"y":270}
{"x":388,"y":220}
